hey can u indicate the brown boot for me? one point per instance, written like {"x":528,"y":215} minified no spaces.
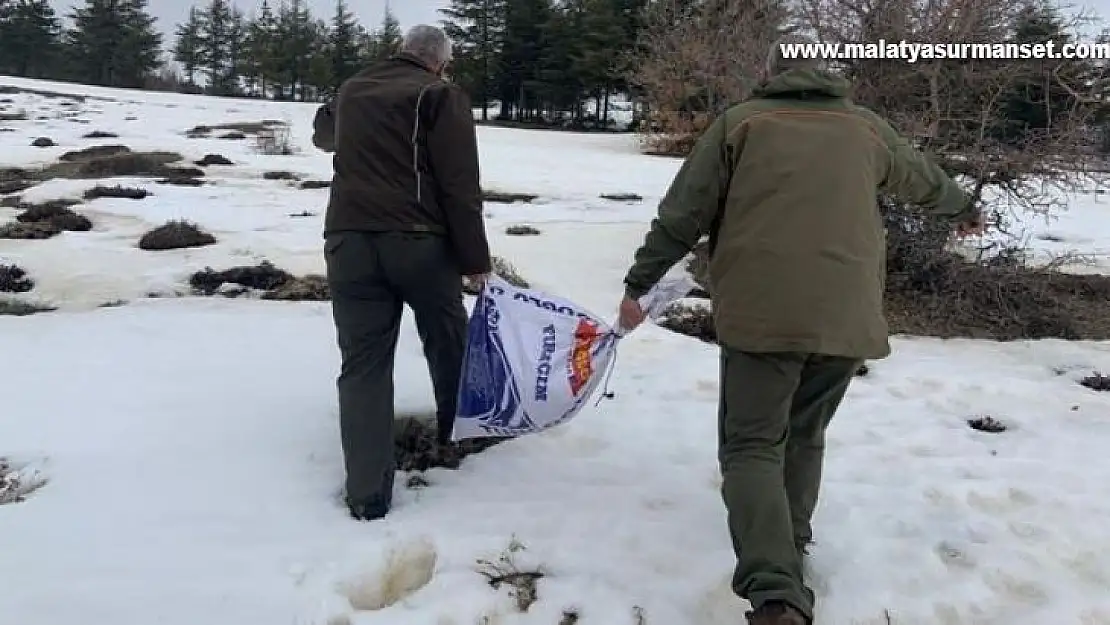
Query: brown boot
{"x":776,"y":613}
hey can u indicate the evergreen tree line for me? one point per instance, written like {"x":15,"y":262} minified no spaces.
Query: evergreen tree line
{"x":108,"y":42}
{"x":546,"y":61}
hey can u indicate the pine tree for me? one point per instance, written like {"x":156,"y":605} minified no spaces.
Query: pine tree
{"x":344,"y":43}
{"x":215,"y":45}
{"x":237,"y":62}
{"x":321,"y":75}
{"x":1037,"y":95}
{"x":387,"y":40}
{"x":477,"y":28}
{"x":521,"y":57}
{"x":113,"y":43}
{"x":295,"y":35}
{"x":29,"y":38}
{"x":595,"y":59}
{"x":188,"y":49}
{"x":262,"y":41}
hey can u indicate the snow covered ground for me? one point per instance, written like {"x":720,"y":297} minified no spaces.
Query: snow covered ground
{"x":192,"y":453}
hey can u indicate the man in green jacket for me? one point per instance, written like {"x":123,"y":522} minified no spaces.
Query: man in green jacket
{"x":784,"y":185}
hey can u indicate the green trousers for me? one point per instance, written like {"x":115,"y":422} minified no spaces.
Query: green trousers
{"x":371,"y":277}
{"x":774,"y":411}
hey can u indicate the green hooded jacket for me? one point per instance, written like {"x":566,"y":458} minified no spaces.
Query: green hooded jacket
{"x":785,"y":186}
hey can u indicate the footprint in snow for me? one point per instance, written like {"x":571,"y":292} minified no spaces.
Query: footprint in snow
{"x":405,"y":571}
{"x":1012,"y":501}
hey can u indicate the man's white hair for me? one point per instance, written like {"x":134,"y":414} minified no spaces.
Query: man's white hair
{"x":429,"y":44}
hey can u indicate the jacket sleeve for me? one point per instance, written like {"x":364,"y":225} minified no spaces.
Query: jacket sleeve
{"x":914,"y":177}
{"x":453,"y":157}
{"x":687,"y":211}
{"x":323,"y":127}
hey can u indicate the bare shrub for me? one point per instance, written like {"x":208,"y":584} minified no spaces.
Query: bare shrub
{"x":934,"y":291}
{"x":17,"y":116}
{"x":174,"y":235}
{"x":505,"y":570}
{"x":1015,"y":134}
{"x":698,"y":58}
{"x":100,"y":134}
{"x":13,"y":279}
{"x":315,"y":184}
{"x":117,"y":191}
{"x":43,"y":142}
{"x":275,"y":141}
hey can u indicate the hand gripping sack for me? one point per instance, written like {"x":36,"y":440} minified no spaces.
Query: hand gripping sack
{"x":532,"y":360}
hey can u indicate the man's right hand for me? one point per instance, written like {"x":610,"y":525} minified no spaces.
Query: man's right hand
{"x":478,"y":279}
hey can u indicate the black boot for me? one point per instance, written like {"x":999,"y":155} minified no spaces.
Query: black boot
{"x":368,"y":510}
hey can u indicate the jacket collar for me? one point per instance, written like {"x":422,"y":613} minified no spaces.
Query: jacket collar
{"x":412,"y":59}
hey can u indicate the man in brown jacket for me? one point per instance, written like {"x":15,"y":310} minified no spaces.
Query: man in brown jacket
{"x":403,"y":226}
{"x":784,"y":185}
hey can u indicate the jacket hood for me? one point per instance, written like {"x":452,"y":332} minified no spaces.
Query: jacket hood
{"x":796,"y":82}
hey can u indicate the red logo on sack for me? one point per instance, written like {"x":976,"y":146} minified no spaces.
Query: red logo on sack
{"x":586,"y":335}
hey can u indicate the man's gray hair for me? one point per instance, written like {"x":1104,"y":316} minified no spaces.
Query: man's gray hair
{"x":429,"y":44}
{"x":777,"y":63}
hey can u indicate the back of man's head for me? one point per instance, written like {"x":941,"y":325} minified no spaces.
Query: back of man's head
{"x":777,"y":62}
{"x":429,"y":44}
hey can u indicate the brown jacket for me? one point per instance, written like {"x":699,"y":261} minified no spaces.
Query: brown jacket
{"x":406,"y":158}
{"x":785,"y":186}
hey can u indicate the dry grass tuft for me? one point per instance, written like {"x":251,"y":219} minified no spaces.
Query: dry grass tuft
{"x":118,"y":191}
{"x":505,"y":571}
{"x":175,"y":235}
{"x":500,"y":197}
{"x":522,"y":230}
{"x":14,"y":279}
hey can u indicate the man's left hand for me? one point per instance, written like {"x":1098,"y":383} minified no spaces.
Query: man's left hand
{"x":630,"y":315}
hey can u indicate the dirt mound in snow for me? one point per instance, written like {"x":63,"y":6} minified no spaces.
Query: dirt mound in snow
{"x":415,"y":447}
{"x":238,"y":129}
{"x":274,"y":283}
{"x":108,"y":161}
{"x":175,"y":235}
